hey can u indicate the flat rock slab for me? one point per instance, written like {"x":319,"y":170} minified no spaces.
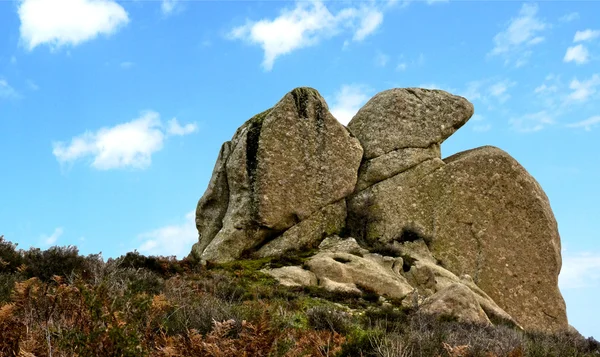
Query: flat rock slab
{"x":344,"y":268}
{"x":394,"y":162}
{"x":309,"y":233}
{"x":408,"y":118}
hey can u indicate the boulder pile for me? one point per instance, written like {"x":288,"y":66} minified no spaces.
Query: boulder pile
{"x":471,"y":235}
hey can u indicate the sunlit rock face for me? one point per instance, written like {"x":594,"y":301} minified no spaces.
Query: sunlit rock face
{"x":379,"y":209}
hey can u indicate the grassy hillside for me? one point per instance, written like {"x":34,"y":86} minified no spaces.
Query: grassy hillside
{"x":59,"y":303}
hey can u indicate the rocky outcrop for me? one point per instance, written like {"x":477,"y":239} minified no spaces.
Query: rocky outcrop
{"x":474,"y":209}
{"x":281,"y":168}
{"x":342,"y":265}
{"x":403,"y":118}
{"x":458,"y":301}
{"x":472,"y":235}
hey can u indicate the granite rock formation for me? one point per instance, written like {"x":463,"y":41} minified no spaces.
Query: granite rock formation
{"x":471,"y":235}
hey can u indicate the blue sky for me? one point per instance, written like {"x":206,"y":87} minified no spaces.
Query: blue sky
{"x":112,"y":112}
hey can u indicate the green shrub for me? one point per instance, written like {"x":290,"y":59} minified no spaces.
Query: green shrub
{"x":7,"y":283}
{"x":61,"y":261}
{"x":163,"y":266}
{"x":10,"y":258}
{"x":328,"y":318}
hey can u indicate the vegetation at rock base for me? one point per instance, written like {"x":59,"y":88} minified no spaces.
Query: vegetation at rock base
{"x":59,"y":303}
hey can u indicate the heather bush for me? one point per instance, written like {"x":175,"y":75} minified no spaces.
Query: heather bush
{"x":10,"y":258}
{"x":156,"y":306}
{"x":328,"y":318}
{"x":44,"y":264}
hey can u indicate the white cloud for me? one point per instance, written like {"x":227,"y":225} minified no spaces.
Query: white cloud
{"x":543,"y":88}
{"x":381,"y":59}
{"x":170,"y":240}
{"x":175,"y":129}
{"x":473,"y":91}
{"x":579,"y":271}
{"x":586,"y":35}
{"x":32,"y":85}
{"x":68,"y":22}
{"x":578,"y":54}
{"x":488,"y":91}
{"x":6,"y":91}
{"x":583,"y":90}
{"x":126,"y":64}
{"x":569,"y":17}
{"x":587,"y":124}
{"x":305,"y":25}
{"x":431,"y":2}
{"x":51,"y":239}
{"x":347,"y":101}
{"x":168,"y":6}
{"x":369,"y":22}
{"x":522,"y":32}
{"x":531,"y":122}
{"x":129,"y":144}
{"x":499,"y":90}
{"x":401,"y":66}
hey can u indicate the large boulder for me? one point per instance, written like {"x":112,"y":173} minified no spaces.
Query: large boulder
{"x":402,"y":118}
{"x":458,"y":301}
{"x":494,"y":222}
{"x":481,"y":214}
{"x":283,"y":166}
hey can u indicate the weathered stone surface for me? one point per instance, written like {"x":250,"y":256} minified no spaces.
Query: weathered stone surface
{"x":347,"y":268}
{"x":282,"y":181}
{"x":285,"y":164}
{"x":292,"y":276}
{"x":386,"y":210}
{"x":494,"y":222}
{"x":212,"y":206}
{"x":305,"y":160}
{"x":308,"y":233}
{"x":408,"y":118}
{"x":484,"y":216}
{"x":456,"y":300}
{"x":335,"y":244}
{"x":428,"y":278}
{"x":239,"y":231}
{"x":394,"y":162}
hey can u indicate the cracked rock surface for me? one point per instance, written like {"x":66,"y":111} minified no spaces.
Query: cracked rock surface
{"x":468,"y":234}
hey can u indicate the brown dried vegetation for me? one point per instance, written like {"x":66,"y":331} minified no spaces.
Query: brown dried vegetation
{"x":57,"y":303}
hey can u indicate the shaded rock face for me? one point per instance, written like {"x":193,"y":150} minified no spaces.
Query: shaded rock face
{"x":472,"y":235}
{"x":280,"y":169}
